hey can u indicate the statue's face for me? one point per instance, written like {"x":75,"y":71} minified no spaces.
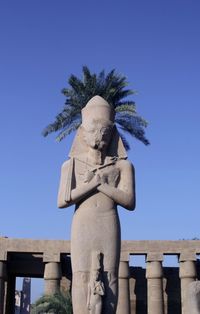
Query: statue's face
{"x":97,"y":135}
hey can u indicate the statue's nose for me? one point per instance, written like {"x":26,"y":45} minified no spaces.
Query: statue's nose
{"x":95,"y":142}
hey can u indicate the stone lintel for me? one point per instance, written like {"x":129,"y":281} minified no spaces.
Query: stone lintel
{"x":124,"y":256}
{"x":51,"y":257}
{"x":154,"y":257}
{"x":187,"y":256}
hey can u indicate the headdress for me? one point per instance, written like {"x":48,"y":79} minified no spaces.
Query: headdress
{"x":98,"y":109}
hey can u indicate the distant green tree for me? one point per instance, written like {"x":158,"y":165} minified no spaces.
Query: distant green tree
{"x":58,"y":303}
{"x":113,"y":88}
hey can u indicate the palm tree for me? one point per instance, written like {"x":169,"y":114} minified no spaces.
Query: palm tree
{"x":58,"y":303}
{"x":112,"y":87}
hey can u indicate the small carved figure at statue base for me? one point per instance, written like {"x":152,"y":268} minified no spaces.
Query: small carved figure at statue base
{"x":97,"y":178}
{"x":96,"y":288}
{"x":95,"y":293}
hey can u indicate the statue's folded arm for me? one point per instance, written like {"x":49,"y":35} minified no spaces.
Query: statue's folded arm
{"x":68,"y":195}
{"x":124,"y":193}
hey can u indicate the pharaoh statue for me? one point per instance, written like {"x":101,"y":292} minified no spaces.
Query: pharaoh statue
{"x":96,"y":178}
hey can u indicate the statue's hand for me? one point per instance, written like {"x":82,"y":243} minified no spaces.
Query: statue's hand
{"x":91,"y":176}
{"x":98,"y":179}
{"x":110,"y":177}
{"x":104,"y":178}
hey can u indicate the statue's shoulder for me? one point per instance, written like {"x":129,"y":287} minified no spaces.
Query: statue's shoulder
{"x":124,"y":163}
{"x":126,"y":167}
{"x":74,"y":167}
{"x":67,"y":165}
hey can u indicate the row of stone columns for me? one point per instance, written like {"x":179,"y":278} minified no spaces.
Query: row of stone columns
{"x":155,"y":289}
{"x":154,"y":275}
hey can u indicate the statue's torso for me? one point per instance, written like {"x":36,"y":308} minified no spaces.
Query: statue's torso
{"x":95,"y":223}
{"x":96,"y":202}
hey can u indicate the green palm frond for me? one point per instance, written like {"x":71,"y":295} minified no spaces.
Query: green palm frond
{"x":58,"y":303}
{"x":86,"y":75}
{"x":128,"y":107}
{"x":134,"y":126}
{"x":113,"y":88}
{"x":67,"y":130}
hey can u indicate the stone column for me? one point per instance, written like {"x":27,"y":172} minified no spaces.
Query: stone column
{"x":10,"y":296}
{"x":123,"y":306}
{"x":52,"y":276}
{"x":187,"y":274}
{"x":3,"y":274}
{"x":132,"y":282}
{"x":154,"y":275}
{"x":194,"y":297}
{"x":52,"y":273}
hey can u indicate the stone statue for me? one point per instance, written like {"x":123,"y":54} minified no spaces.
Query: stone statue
{"x":96,"y":178}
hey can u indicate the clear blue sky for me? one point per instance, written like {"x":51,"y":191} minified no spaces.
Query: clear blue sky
{"x":156,"y":44}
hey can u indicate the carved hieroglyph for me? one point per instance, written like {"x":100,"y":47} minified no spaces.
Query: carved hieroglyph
{"x":96,"y":178}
